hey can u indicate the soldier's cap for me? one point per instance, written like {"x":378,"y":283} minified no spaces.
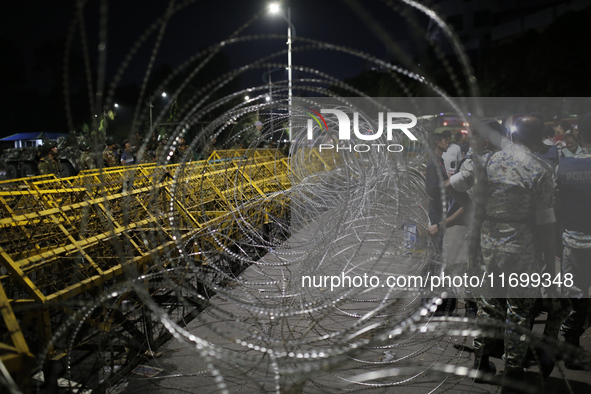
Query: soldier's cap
{"x":84,"y":145}
{"x":110,"y":140}
{"x":528,"y":129}
{"x":49,"y":145}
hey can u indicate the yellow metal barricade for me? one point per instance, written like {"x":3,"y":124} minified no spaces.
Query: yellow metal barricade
{"x":62,"y":238}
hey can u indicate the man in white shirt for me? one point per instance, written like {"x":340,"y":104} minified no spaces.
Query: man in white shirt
{"x":572,"y":148}
{"x":453,"y":156}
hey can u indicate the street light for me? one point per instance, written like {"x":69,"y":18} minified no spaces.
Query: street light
{"x":105,"y":113}
{"x":151,"y":106}
{"x":275,"y":9}
{"x":270,"y":95}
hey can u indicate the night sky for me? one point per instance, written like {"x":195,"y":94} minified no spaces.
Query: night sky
{"x":201,"y":24}
{"x":30,"y":25}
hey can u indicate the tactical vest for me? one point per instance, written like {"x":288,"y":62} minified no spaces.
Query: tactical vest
{"x":574,"y":180}
{"x":550,"y":156}
{"x":462,"y":162}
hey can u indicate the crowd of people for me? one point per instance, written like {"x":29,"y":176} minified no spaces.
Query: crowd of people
{"x":515,"y":191}
{"x":129,"y":152}
{"x":113,"y":155}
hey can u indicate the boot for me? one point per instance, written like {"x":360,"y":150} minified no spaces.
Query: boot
{"x":572,"y":340}
{"x":486,"y":369}
{"x":512,"y":378}
{"x":540,"y":358}
{"x":547,"y":364}
{"x":471,"y":309}
{"x":579,"y":363}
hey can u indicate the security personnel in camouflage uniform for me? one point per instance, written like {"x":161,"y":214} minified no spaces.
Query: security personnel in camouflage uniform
{"x":557,"y":308}
{"x":180,"y":151}
{"x":485,"y":139}
{"x":147,"y":156}
{"x":109,"y":156}
{"x":519,"y":204}
{"x":49,"y":163}
{"x":86,"y":160}
{"x":574,"y":185}
{"x":161,"y":146}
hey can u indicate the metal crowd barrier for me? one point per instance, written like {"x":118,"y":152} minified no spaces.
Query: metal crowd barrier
{"x":67,"y":241}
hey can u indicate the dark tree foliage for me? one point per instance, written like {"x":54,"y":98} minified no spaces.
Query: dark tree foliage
{"x":12,"y":85}
{"x":553,"y":63}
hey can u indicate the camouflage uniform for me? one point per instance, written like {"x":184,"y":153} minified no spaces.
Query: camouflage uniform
{"x":576,"y":260}
{"x":86,"y":161}
{"x":159,"y":150}
{"x":520,"y":195}
{"x":473,"y":220}
{"x":110,"y":158}
{"x":557,"y":308}
{"x":147,"y":157}
{"x":179,"y":153}
{"x":48,"y":165}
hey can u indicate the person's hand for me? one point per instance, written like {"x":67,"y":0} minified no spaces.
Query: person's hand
{"x":433,"y":230}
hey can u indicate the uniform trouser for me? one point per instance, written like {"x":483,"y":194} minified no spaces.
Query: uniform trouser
{"x":558,"y":309}
{"x":514,"y":311}
{"x":577,"y":262}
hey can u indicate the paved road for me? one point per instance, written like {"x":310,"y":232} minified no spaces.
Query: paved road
{"x":407,"y":363}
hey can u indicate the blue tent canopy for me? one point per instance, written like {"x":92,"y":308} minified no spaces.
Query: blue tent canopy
{"x":34,"y":136}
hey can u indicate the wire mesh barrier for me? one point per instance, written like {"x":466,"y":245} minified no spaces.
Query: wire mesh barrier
{"x":66,"y":241}
{"x":283,"y":236}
